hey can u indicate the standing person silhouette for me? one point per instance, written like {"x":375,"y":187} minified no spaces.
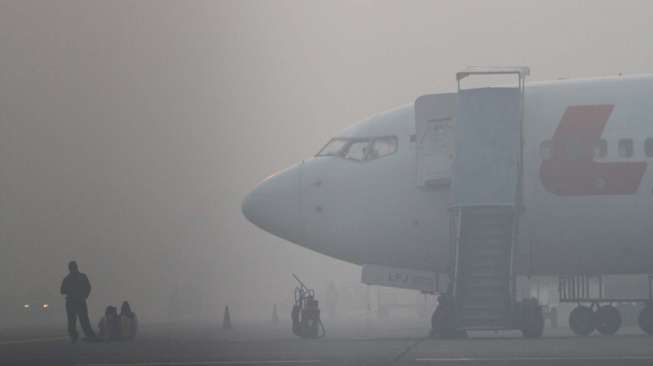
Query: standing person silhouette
{"x":76,"y":287}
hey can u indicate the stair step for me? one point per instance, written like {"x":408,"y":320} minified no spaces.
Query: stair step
{"x":484,"y":263}
{"x":485,"y":272}
{"x":482,"y":266}
{"x":483,"y":224}
{"x":498,"y":257}
{"x":490,"y":273}
{"x":488,"y":225}
{"x":495,"y":260}
{"x":482,"y":251}
{"x":489,"y":232}
{"x":484,"y":284}
{"x":479,"y":270}
{"x":486,"y":238}
{"x":486,"y":244}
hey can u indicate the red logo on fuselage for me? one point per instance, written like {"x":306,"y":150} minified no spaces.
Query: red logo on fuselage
{"x":571,"y":169}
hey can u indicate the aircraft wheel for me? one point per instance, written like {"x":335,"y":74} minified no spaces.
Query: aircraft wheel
{"x":532,"y":322}
{"x":581,"y":320}
{"x":645,"y":319}
{"x":607,"y":320}
{"x":442,"y":321}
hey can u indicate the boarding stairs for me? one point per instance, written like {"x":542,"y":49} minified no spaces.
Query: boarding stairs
{"x":483,"y":282}
{"x":486,"y":200}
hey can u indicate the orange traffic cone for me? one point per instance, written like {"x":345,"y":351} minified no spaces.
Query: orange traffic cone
{"x":226,"y":320}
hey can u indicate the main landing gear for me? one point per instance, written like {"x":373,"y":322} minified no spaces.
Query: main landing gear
{"x":600,"y":315}
{"x":584,"y":320}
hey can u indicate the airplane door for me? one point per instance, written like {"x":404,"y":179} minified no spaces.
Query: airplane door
{"x":434,"y":117}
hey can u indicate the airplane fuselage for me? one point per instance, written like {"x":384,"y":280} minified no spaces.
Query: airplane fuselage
{"x":588,"y":192}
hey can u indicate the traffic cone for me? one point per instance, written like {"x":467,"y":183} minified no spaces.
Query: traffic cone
{"x":275,"y":316}
{"x":226,"y":320}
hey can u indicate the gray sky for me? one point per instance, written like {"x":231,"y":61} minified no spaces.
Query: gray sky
{"x":131,"y":130}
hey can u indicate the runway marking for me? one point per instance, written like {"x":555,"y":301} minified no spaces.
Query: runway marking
{"x":34,"y":340}
{"x":526,"y":359}
{"x":182,"y":363}
{"x":408,"y":349}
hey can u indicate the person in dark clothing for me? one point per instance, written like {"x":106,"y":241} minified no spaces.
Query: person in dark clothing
{"x":110,"y":325}
{"x":128,"y":322}
{"x":76,"y":287}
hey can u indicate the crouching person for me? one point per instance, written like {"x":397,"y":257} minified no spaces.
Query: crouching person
{"x":128,"y":322}
{"x":110,"y":325}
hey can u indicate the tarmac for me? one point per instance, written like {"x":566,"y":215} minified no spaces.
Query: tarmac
{"x":392,"y":343}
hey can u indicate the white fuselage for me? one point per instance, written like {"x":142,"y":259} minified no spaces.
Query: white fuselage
{"x":587,"y":208}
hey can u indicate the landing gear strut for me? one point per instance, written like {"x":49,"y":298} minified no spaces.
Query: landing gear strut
{"x":605,"y":319}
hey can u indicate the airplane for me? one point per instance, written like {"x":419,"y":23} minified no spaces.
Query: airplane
{"x":378,"y":194}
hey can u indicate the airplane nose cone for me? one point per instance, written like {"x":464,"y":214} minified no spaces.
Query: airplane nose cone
{"x":274,"y":205}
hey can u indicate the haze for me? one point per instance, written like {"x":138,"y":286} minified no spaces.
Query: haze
{"x":130,"y":131}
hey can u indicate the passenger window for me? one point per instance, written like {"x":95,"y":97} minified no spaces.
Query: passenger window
{"x":626,"y":148}
{"x":382,"y":146}
{"x":357,"y":150}
{"x":648,"y":147}
{"x":546,"y":150}
{"x":601,"y":149}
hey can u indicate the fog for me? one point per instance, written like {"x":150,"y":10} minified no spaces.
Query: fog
{"x":131,"y":131}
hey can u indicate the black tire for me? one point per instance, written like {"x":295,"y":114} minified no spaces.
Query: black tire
{"x":442,"y":321}
{"x":533,"y":322}
{"x":645,"y":319}
{"x":607,"y":320}
{"x":581,"y":321}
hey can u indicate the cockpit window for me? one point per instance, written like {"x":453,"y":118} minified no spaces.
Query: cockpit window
{"x":360,"y":149}
{"x":333,"y":147}
{"x":357,"y":150}
{"x":382,"y":146}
